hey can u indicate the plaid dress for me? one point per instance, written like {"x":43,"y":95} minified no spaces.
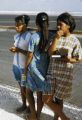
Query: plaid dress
{"x":60,"y":73}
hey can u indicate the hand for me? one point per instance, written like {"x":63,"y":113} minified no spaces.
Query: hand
{"x":14,"y":49}
{"x":70,"y":60}
{"x":59,"y":33}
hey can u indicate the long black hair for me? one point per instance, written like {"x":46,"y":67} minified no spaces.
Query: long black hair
{"x":42,"y":20}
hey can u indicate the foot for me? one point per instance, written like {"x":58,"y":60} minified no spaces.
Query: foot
{"x":65,"y":119}
{"x":22,"y":109}
{"x":56,"y":117}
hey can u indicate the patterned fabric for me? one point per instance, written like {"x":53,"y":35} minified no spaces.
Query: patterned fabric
{"x":72,"y":44}
{"x":59,"y":76}
{"x":21,"y":41}
{"x":38,"y":67}
{"x":17,"y":74}
{"x":60,"y":73}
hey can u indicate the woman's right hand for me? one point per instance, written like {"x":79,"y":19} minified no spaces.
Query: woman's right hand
{"x":13,"y":49}
{"x":58,"y":34}
{"x":53,"y":45}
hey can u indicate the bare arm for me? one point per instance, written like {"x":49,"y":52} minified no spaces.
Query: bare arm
{"x":28,"y":61}
{"x":22,"y":51}
{"x":71,"y":60}
{"x":16,"y":49}
{"x":53,"y":46}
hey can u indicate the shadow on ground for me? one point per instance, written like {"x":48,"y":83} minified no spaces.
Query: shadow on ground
{"x":10,"y":99}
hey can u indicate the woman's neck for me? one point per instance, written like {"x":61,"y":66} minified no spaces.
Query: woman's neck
{"x":67,"y":34}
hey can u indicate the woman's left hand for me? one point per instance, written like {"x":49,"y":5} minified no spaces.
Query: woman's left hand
{"x":70,"y":60}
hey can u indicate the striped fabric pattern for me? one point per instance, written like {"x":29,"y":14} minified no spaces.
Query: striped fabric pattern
{"x":59,"y":76}
{"x":60,"y":73}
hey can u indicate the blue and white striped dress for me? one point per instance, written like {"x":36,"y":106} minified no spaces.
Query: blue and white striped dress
{"x":21,"y":41}
{"x":38,"y":66}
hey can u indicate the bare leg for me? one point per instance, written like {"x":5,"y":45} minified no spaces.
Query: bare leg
{"x":31,"y":102}
{"x":39,"y":104}
{"x":61,"y":106}
{"x":23,"y":96}
{"x":54,"y":106}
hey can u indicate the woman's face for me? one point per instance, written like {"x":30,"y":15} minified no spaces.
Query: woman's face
{"x":64,"y":27}
{"x":20,"y":27}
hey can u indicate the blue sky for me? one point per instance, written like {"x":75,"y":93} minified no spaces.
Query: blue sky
{"x":41,"y":5}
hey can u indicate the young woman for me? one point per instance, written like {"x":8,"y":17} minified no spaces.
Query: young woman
{"x":64,"y":50}
{"x":20,"y":51}
{"x":36,"y":64}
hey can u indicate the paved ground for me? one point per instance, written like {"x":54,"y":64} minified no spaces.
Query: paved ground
{"x":10,"y":99}
{"x":6,"y":75}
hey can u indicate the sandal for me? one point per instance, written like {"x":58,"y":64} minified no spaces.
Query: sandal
{"x":22,"y":109}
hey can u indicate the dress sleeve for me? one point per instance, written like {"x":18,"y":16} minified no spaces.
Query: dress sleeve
{"x":16,"y":37}
{"x":33,"y":43}
{"x":77,"y":51}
